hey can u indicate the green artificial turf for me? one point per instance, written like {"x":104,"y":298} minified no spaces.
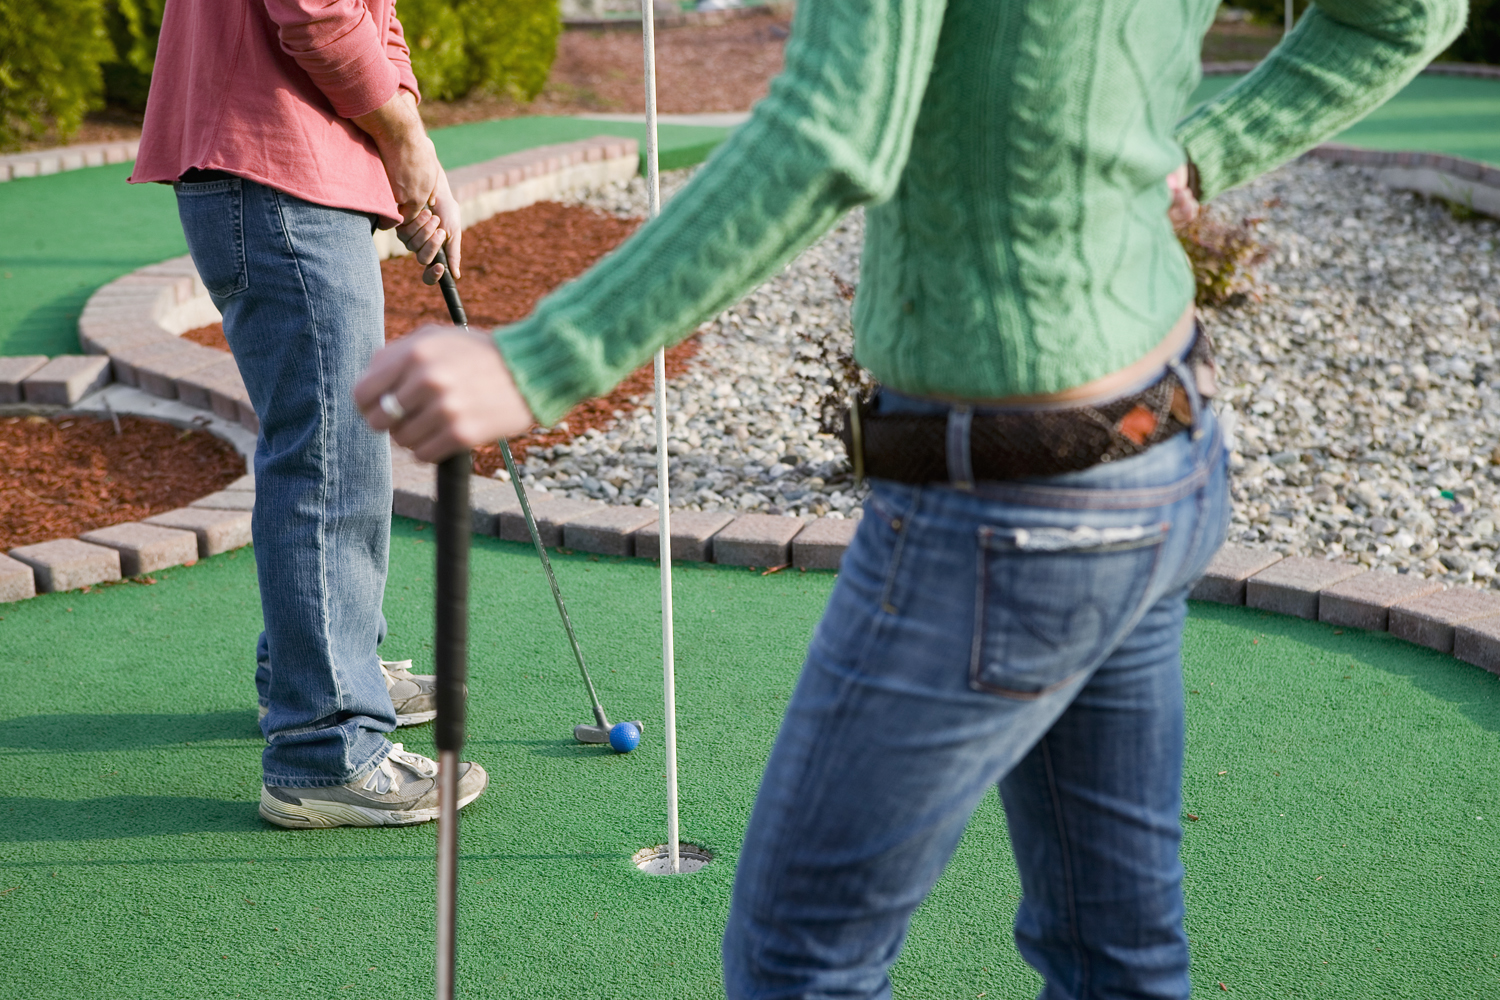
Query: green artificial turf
{"x":75,"y":231}
{"x":132,"y":863}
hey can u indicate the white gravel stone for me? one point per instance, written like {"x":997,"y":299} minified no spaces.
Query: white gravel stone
{"x":1360,"y":384}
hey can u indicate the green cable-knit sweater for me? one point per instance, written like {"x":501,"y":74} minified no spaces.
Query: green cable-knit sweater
{"x":1013,"y":154}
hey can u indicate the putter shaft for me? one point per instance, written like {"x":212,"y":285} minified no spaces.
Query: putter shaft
{"x":460,"y":318}
{"x":450,"y":642}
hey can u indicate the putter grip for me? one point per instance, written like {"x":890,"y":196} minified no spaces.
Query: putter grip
{"x":451,"y":628}
{"x":450,"y":291}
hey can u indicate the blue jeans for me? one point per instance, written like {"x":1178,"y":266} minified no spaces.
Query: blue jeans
{"x":1025,"y":634}
{"x":299,"y":287}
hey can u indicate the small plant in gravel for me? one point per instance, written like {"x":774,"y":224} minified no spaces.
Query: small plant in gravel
{"x":1224,"y":256}
{"x":847,"y":380}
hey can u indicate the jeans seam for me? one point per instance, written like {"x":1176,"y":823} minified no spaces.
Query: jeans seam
{"x":900,"y":525}
{"x":324,"y":466}
{"x":1079,"y":953}
{"x":1085,"y":498}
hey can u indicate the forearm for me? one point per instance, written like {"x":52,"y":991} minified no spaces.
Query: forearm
{"x":834,"y":132}
{"x":1343,"y":60}
{"x":394,"y":124}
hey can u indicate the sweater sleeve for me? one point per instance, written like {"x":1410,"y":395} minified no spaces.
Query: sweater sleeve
{"x":834,"y":132}
{"x":338,"y":43}
{"x":1344,"y":59}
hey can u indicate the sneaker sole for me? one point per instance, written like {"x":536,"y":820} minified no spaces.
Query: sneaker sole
{"x":316,"y":815}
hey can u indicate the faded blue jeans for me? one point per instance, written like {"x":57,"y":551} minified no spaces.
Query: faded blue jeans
{"x":1025,"y":634}
{"x":299,"y":287}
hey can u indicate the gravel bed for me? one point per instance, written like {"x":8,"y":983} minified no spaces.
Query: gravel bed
{"x":1362,"y":388}
{"x":745,"y":430}
{"x":1359,"y":384}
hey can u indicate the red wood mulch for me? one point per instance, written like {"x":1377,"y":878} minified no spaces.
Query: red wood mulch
{"x":69,"y":475}
{"x":510,"y":261}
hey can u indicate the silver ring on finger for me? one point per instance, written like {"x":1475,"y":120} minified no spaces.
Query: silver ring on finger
{"x":391,"y":407}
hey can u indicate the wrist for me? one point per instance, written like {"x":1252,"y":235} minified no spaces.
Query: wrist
{"x":395,"y":124}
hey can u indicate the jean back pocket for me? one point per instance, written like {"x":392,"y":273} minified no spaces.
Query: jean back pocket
{"x":1053,"y":601}
{"x":213,"y":219}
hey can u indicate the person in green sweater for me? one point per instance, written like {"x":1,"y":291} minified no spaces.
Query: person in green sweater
{"x":1047,"y":482}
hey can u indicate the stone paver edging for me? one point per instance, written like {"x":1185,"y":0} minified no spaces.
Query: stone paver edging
{"x":1464,"y":621}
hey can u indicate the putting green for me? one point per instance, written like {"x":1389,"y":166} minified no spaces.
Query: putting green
{"x":1340,"y":854}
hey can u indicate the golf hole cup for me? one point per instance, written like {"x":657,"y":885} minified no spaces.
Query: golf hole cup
{"x":624,"y":737}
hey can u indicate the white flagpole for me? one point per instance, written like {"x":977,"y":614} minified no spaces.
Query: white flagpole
{"x":664,"y":525}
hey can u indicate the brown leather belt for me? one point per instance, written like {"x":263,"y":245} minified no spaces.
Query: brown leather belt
{"x":1015,"y":444}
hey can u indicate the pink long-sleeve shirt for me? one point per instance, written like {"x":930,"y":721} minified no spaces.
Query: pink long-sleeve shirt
{"x":264,"y":89}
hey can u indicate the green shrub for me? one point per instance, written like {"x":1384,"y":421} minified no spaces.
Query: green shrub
{"x":133,"y":29}
{"x":50,"y":51}
{"x":502,"y":46}
{"x":1480,"y":42}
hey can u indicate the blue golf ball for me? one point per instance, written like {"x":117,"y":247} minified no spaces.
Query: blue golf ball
{"x":624,"y":737}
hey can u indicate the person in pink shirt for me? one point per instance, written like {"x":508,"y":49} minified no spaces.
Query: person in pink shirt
{"x":289,"y":131}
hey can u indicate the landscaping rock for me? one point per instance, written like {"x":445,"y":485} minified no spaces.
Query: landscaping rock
{"x":216,"y":530}
{"x":1431,"y":621}
{"x":1224,"y":580}
{"x":1291,"y":586}
{"x":821,"y":544}
{"x":13,"y":371}
{"x":228,"y":500}
{"x":67,"y":564}
{"x":757,"y":540}
{"x":66,"y":379}
{"x":692,"y":536}
{"x":17,"y":580}
{"x":145,"y":548}
{"x":550,"y":514}
{"x":608,"y":531}
{"x":1365,"y":601}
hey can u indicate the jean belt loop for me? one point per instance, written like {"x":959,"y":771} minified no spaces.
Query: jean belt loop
{"x":1190,"y":386}
{"x":960,"y":447}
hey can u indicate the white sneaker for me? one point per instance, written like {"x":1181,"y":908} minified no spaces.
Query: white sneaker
{"x":401,"y":791}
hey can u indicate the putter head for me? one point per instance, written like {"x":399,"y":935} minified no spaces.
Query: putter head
{"x":585,"y":733}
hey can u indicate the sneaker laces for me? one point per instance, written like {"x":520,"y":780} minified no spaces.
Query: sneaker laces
{"x":384,"y":777}
{"x":391,"y":666}
{"x":424,"y":766}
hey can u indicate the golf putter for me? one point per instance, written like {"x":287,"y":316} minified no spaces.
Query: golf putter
{"x":450,"y":641}
{"x":583,"y":732}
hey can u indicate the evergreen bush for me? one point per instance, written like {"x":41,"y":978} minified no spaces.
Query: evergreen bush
{"x":133,"y":29}
{"x":50,"y":53}
{"x":502,"y":46}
